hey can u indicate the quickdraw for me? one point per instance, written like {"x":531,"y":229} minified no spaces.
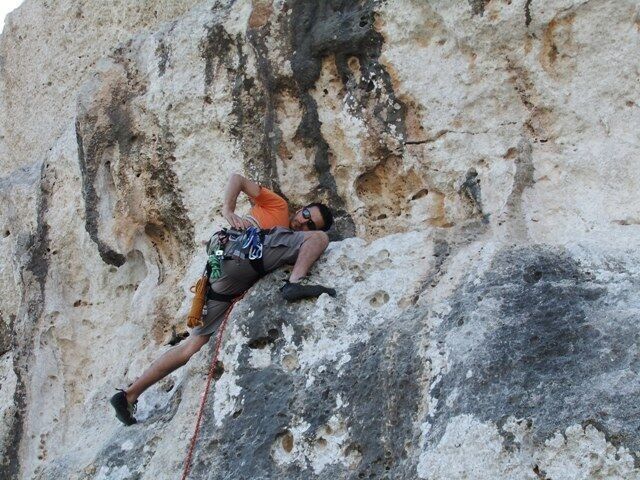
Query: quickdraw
{"x":253,"y":242}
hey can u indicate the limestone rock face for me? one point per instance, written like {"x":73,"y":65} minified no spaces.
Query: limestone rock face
{"x":481,"y":158}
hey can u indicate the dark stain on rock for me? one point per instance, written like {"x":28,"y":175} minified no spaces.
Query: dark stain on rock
{"x":265,"y":415}
{"x":94,"y":140}
{"x":543,"y":343}
{"x":33,"y":278}
{"x":470,"y":190}
{"x":267,"y":89}
{"x":441,"y":251}
{"x":38,"y":248}
{"x":168,"y":227}
{"x":381,"y":391}
{"x":527,"y":13}
{"x":10,"y":463}
{"x":478,"y":6}
{"x":5,"y":336}
{"x":344,"y":29}
{"x":216,"y":49}
{"x":162,"y":52}
{"x":253,"y":121}
{"x":523,"y":177}
{"x":144,"y":163}
{"x":89,"y":171}
{"x":541,"y":474}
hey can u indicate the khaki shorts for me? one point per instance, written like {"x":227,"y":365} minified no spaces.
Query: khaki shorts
{"x":280,"y":247}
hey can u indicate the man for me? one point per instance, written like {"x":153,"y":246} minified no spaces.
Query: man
{"x":297,"y":240}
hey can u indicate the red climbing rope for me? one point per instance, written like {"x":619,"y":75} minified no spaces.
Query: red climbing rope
{"x":203,"y":399}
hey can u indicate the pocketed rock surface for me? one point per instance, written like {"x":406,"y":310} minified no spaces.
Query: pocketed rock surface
{"x":482,"y":160}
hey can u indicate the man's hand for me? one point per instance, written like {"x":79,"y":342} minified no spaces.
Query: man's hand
{"x":235,"y":221}
{"x":295,"y":291}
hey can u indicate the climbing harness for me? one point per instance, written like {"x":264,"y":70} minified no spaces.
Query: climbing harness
{"x":226,"y":244}
{"x":203,"y":399}
{"x":247,"y":244}
{"x":212,"y":271}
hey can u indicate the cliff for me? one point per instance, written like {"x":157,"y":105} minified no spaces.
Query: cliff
{"x":482,"y":159}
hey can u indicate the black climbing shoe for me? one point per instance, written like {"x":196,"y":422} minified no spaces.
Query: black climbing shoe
{"x":296,"y":291}
{"x":124,"y":410}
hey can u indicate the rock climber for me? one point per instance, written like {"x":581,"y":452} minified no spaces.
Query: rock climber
{"x":299,"y":240}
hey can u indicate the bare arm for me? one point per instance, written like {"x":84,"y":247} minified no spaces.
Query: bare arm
{"x":236,"y":184}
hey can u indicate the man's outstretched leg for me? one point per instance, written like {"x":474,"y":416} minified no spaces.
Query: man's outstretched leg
{"x":124,"y":401}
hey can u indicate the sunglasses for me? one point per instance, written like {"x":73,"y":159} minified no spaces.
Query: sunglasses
{"x":306,"y":214}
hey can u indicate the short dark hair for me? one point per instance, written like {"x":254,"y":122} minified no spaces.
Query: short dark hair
{"x":325,"y":212}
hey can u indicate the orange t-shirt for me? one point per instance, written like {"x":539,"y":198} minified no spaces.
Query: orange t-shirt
{"x":270,"y":210}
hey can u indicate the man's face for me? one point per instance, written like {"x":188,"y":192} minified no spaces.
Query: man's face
{"x":307,"y":218}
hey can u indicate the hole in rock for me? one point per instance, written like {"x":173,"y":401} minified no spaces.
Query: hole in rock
{"x":532,"y":275}
{"x":273,"y":334}
{"x":379,"y":298}
{"x":286,"y":440}
{"x":422,"y":193}
{"x":168,"y":385}
{"x":218,"y":370}
{"x":259,"y":343}
{"x":354,"y":64}
{"x":290,"y":362}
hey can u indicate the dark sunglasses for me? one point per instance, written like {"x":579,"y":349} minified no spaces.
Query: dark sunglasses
{"x":306,"y":214}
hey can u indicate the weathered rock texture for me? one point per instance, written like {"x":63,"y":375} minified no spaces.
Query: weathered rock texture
{"x":482,"y":158}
